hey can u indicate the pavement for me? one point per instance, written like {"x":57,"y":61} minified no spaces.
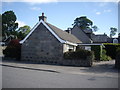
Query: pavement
{"x":103,"y":68}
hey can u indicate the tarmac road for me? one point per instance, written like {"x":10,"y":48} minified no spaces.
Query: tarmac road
{"x":28,"y":78}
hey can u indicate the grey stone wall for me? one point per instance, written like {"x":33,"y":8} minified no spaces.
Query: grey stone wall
{"x":42,"y":46}
{"x":80,"y":62}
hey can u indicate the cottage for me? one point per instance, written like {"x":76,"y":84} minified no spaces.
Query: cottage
{"x":46,"y":42}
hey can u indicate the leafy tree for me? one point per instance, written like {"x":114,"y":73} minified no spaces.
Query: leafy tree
{"x":8,"y":23}
{"x":23,"y":31}
{"x":95,"y":28}
{"x":113,"y":31}
{"x":84,"y":23}
{"x":9,"y":27}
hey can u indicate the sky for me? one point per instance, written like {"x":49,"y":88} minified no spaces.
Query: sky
{"x":62,"y":14}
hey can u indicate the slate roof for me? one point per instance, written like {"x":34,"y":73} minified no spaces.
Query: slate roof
{"x":100,"y":38}
{"x":81,"y":35}
{"x":64,"y":35}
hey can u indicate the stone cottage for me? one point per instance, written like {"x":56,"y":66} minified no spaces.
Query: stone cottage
{"x":46,"y":42}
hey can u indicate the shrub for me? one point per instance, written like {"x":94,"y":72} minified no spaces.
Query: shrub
{"x":104,"y":56}
{"x":79,"y":54}
{"x":13,"y":50}
{"x":97,"y":49}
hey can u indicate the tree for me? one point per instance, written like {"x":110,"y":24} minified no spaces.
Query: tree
{"x":95,"y":28}
{"x":113,"y":31}
{"x":84,"y":23}
{"x":23,"y":31}
{"x":9,"y":24}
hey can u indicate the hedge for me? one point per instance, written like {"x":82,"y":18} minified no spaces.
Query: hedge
{"x":97,"y":49}
{"x":78,"y":54}
{"x":111,"y":49}
{"x":117,"y":61}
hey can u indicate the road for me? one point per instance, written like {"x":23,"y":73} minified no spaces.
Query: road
{"x":26,"y":78}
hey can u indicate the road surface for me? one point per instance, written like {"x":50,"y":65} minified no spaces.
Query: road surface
{"x":26,"y":78}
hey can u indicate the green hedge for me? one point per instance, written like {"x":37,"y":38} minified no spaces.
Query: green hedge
{"x":117,"y":61}
{"x":111,"y":49}
{"x":13,"y":50}
{"x":97,"y":49}
{"x":78,"y":54}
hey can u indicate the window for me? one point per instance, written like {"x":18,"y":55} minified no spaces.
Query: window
{"x":70,"y":48}
{"x":88,"y":48}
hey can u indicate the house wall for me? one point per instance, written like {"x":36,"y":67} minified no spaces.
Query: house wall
{"x":42,"y":46}
{"x":80,"y":35}
{"x":67,"y":47}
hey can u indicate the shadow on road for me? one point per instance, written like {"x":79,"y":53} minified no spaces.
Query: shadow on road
{"x":29,"y":68}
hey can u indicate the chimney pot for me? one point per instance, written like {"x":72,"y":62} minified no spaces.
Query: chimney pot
{"x":42,"y":14}
{"x":44,"y":18}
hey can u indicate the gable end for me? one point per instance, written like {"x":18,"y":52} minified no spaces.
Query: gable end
{"x":41,"y":21}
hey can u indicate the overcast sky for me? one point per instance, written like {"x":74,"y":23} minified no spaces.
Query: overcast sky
{"x":62,"y":14}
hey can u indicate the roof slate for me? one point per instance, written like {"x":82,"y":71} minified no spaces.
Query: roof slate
{"x":64,"y":35}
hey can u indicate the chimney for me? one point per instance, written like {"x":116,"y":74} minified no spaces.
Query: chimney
{"x":44,"y":18}
{"x":68,"y":30}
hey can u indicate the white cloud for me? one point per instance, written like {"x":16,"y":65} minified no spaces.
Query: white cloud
{"x":35,"y":8}
{"x":107,"y":10}
{"x":20,"y":23}
{"x":98,"y":13}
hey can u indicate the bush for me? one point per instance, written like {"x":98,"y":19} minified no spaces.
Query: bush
{"x":13,"y":50}
{"x":79,"y":54}
{"x":97,"y":49}
{"x":111,"y":49}
{"x":104,"y":56}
